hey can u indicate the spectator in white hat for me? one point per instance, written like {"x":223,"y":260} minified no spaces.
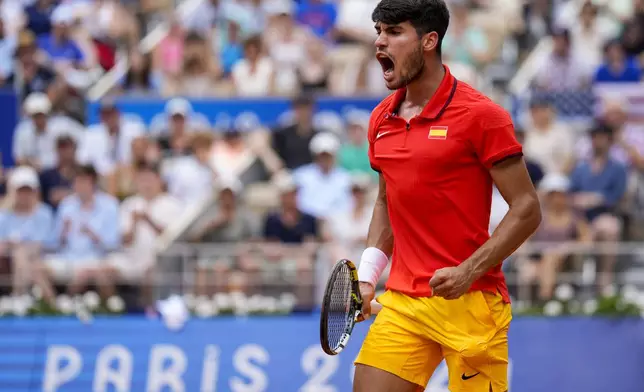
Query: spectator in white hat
{"x":561,"y":224}
{"x":324,"y":187}
{"x":25,"y":226}
{"x":34,"y":141}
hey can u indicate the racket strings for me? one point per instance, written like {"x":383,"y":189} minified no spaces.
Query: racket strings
{"x":341,"y":312}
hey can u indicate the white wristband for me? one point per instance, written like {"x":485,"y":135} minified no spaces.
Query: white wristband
{"x":372,"y":263}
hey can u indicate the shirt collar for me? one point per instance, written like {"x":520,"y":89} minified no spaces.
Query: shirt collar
{"x":437,"y":104}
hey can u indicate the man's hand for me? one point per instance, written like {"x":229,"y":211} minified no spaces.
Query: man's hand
{"x":451,"y":282}
{"x":367,"y":292}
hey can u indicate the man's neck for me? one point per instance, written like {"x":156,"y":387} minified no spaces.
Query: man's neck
{"x":150,"y":196}
{"x":421,"y":90}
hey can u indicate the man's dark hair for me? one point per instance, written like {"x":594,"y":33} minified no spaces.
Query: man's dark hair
{"x":87,"y":171}
{"x":424,"y":15}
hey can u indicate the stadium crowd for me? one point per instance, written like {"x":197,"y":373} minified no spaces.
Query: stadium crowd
{"x":89,"y":204}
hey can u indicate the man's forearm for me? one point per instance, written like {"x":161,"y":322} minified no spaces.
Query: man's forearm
{"x":380,"y":235}
{"x":521,"y":221}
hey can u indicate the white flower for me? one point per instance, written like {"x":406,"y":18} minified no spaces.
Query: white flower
{"x":241,"y":309}
{"x":564,"y":292}
{"x":6,"y":305}
{"x":222,"y":300}
{"x":553,"y":308}
{"x":255,"y":303}
{"x":237,"y":298}
{"x":271,"y":305}
{"x":27,"y":301}
{"x":520,"y":306}
{"x":287,"y":302}
{"x":630,"y":294}
{"x":590,"y":306}
{"x":91,"y":300}
{"x":19,"y":306}
{"x":83,"y":314}
{"x":190,"y":300}
{"x":65,"y":304}
{"x":640,"y":300}
{"x":174,"y":312}
{"x":115,"y":304}
{"x":36,"y":291}
{"x":204,"y":309}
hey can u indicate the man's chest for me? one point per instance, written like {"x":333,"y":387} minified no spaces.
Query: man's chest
{"x":426,"y":145}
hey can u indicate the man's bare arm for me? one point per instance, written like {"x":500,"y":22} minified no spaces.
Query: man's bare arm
{"x":523,"y":218}
{"x":380,"y":235}
{"x":380,"y":245}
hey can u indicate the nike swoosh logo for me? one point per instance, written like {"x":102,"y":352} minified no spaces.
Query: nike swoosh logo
{"x":381,"y":134}
{"x":464,"y":377}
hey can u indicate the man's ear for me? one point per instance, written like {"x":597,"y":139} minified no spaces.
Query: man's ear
{"x":430,"y":41}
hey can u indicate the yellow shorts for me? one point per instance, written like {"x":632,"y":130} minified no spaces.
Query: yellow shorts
{"x":411,"y":336}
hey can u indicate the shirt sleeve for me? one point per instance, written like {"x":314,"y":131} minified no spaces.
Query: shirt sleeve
{"x":494,"y":139}
{"x":109,"y":230}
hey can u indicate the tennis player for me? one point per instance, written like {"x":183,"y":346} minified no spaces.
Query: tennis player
{"x":439,"y":146}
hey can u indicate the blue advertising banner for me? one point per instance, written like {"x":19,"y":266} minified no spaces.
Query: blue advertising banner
{"x":283,"y":355}
{"x":268,"y":111}
{"x":9,"y":115}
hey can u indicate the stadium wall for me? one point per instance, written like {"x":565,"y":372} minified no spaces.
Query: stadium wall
{"x":283,"y":355}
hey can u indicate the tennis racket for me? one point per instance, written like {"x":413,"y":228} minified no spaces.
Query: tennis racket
{"x":341,"y":306}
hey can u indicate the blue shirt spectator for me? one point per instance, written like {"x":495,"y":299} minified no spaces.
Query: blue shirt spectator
{"x":77,"y":224}
{"x":33,"y":227}
{"x":39,"y":17}
{"x":617,"y":66}
{"x":61,"y":50}
{"x":630,"y":72}
{"x":26,"y":219}
{"x":609,"y":182}
{"x":318,"y":15}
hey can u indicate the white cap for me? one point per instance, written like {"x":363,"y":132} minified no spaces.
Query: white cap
{"x":62,"y":15}
{"x":178,"y":106}
{"x":37,"y":103}
{"x":554,"y":182}
{"x":284,"y":183}
{"x":324,"y":142}
{"x":24,"y":176}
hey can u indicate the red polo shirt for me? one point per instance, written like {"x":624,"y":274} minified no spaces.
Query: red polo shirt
{"x":439,"y":189}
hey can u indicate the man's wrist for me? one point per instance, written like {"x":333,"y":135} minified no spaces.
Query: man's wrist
{"x":372,"y":264}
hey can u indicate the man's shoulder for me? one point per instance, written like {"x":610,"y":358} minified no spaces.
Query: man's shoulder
{"x":107,"y":200}
{"x":44,"y":211}
{"x":482,"y":109}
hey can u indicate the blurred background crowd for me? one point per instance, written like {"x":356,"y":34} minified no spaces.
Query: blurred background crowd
{"x":202,"y":207}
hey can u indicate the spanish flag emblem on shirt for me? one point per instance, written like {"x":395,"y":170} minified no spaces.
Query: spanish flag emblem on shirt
{"x":437,"y":133}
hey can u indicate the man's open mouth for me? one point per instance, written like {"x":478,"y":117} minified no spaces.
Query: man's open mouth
{"x":386,"y":63}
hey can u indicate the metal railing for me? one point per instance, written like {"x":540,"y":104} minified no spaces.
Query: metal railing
{"x":273,"y":270}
